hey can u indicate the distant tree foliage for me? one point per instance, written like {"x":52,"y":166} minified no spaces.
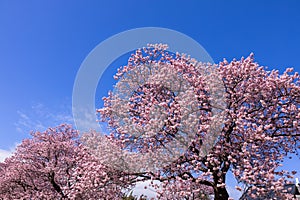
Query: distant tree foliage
{"x":55,"y":165}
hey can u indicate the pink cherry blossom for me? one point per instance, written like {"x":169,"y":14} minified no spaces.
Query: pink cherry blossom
{"x":55,"y":165}
{"x":260,"y":121}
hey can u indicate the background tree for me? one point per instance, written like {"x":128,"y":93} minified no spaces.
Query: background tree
{"x":261,"y":122}
{"x":55,"y":165}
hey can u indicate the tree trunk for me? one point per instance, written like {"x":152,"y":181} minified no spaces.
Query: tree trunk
{"x":221,"y":193}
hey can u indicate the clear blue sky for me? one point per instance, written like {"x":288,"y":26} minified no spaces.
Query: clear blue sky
{"x":43,"y":43}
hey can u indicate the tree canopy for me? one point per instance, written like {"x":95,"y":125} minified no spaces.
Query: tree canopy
{"x":174,"y":120}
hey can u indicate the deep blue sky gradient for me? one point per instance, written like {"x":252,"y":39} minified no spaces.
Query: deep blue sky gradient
{"x":43,"y":43}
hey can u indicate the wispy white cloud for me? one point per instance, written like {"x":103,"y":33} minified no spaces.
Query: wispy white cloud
{"x":144,"y":188}
{"x":231,"y":182}
{"x":86,"y":120}
{"x":40,"y":117}
{"x":234,"y":193}
{"x":5,"y":153}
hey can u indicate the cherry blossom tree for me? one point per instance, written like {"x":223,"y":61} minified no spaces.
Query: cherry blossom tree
{"x":55,"y":165}
{"x":248,"y":129}
{"x":174,"y":121}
